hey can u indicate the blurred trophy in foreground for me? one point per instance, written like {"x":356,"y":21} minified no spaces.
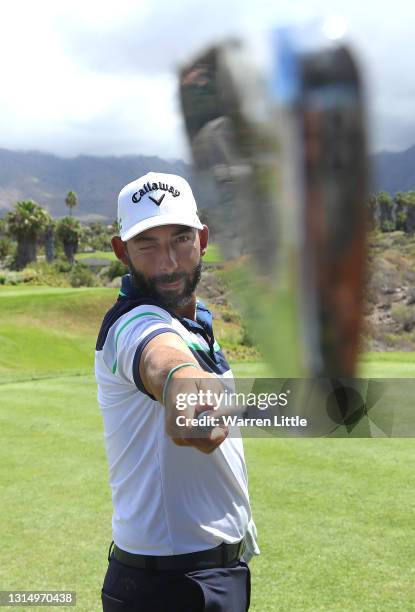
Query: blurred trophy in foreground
{"x":277,"y":132}
{"x":276,"y":127}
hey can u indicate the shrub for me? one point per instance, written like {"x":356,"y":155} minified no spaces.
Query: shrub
{"x":48,"y":274}
{"x":384,"y":279}
{"x":6,"y":247}
{"x":101,"y":242}
{"x":230,"y":316}
{"x":246,"y":337}
{"x":405,"y":315}
{"x":81,"y":276}
{"x":28,"y":275}
{"x":10,"y":278}
{"x":116,"y":268}
{"x":62,"y":266}
{"x":388,"y":226}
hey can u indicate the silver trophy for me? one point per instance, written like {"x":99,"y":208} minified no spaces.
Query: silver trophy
{"x":277,"y":132}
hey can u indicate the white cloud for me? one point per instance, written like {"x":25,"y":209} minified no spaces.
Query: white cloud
{"x":99,"y":77}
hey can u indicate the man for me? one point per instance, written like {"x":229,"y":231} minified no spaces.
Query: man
{"x":182,"y":524}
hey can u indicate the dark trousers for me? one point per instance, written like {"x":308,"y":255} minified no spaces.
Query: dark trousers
{"x":140,"y":590}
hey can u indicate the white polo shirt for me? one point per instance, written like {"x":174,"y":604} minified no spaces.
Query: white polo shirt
{"x":167,"y":499}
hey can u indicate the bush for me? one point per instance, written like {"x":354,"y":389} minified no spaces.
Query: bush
{"x":28,"y":275}
{"x":81,"y":276}
{"x":230,"y":316}
{"x":62,"y":266}
{"x":102,"y":242}
{"x":383,"y":280}
{"x":12,"y":278}
{"x":48,"y":274}
{"x":405,"y":315}
{"x":246,"y":337}
{"x":6,"y":247}
{"x":16,"y":278}
{"x":387,"y":226}
{"x":116,"y":268}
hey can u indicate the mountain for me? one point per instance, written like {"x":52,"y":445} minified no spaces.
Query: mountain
{"x":47,"y":179}
{"x":394,"y":171}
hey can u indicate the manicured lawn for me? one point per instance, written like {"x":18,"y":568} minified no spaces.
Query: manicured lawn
{"x":371,"y":365}
{"x":96,"y":255}
{"x":55,"y":498}
{"x":213,"y":255}
{"x":334,"y":516}
{"x":388,"y":365}
{"x":43,"y":330}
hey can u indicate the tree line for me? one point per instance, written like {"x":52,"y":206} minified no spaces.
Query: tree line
{"x":32,"y":226}
{"x":389,"y":214}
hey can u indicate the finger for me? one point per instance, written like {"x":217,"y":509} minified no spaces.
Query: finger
{"x":218,"y":434}
{"x":208,"y":445}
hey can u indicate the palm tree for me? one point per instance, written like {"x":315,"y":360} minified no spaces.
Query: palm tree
{"x":5,"y":241}
{"x":385,"y":207}
{"x":49,"y":241}
{"x":372,"y":213}
{"x":400,"y":210}
{"x":71,"y":201}
{"x":409,"y":221}
{"x":26,"y":224}
{"x":69,"y":231}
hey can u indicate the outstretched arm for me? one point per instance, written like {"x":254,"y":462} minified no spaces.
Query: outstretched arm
{"x":161,"y":355}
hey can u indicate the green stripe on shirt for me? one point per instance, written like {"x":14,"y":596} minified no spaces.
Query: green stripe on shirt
{"x":198,"y":347}
{"x":143,"y":314}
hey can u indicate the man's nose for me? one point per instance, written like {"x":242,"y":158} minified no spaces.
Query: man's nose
{"x":168,"y":260}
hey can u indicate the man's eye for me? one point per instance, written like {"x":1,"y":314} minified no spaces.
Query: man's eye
{"x":183,"y":238}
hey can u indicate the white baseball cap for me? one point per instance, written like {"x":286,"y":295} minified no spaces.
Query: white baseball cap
{"x":156,"y":199}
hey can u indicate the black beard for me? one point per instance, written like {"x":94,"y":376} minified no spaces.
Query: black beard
{"x":170,"y":299}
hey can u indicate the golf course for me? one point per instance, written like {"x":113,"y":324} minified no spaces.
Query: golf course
{"x":335,"y":517}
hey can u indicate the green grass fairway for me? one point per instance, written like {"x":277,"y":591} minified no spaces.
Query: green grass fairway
{"x":43,"y":330}
{"x":212,"y":255}
{"x":55,"y":497}
{"x":372,"y":365}
{"x":387,"y":365}
{"x":110,"y":255}
{"x":334,"y":516}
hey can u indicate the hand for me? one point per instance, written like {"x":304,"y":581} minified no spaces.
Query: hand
{"x":191,"y":392}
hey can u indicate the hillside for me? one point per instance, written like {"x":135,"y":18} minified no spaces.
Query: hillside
{"x":390,"y":295}
{"x":394,"y":171}
{"x":45,"y":329}
{"x":47,"y":178}
{"x":68,"y":318}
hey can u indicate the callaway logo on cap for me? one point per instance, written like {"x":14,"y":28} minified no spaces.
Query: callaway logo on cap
{"x":156,"y":199}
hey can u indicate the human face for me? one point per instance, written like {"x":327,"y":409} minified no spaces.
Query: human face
{"x":165,"y":263}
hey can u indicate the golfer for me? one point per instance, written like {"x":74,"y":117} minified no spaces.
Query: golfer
{"x":182,"y":526}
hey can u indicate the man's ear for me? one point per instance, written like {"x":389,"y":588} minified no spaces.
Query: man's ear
{"x":120,"y":249}
{"x":204,"y":239}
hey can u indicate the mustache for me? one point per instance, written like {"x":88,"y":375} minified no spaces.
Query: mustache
{"x":168,"y":278}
